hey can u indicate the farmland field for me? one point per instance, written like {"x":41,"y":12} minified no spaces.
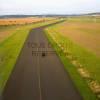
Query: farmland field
{"x":79,"y":41}
{"x":22,"y":21}
{"x":86,"y":34}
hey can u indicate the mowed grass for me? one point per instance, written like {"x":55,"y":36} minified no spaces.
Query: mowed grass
{"x":10,"y":49}
{"x":88,"y":59}
{"x":84,"y":19}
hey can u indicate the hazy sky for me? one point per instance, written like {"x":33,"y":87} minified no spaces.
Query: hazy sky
{"x":48,"y":6}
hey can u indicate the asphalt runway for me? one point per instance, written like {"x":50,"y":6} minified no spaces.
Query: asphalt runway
{"x":39,"y":73}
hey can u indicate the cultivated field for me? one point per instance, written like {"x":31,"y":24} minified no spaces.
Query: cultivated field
{"x":21,"y":21}
{"x":77,"y":40}
{"x":85,"y":34}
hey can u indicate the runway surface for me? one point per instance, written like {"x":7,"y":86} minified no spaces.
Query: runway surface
{"x":39,"y":73}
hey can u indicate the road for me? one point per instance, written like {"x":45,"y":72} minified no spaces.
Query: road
{"x":39,"y":73}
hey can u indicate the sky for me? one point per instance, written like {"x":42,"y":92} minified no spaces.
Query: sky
{"x":31,"y":7}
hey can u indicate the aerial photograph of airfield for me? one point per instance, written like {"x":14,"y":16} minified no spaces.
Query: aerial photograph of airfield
{"x":49,"y":50}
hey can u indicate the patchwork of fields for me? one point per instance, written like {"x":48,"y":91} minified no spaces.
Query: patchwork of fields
{"x":76,"y":41}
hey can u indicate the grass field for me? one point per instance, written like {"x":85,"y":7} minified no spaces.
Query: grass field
{"x":11,"y":46}
{"x":85,"y":61}
{"x":5,"y":32}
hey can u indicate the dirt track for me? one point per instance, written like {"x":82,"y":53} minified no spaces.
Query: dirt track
{"x":37,"y":76}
